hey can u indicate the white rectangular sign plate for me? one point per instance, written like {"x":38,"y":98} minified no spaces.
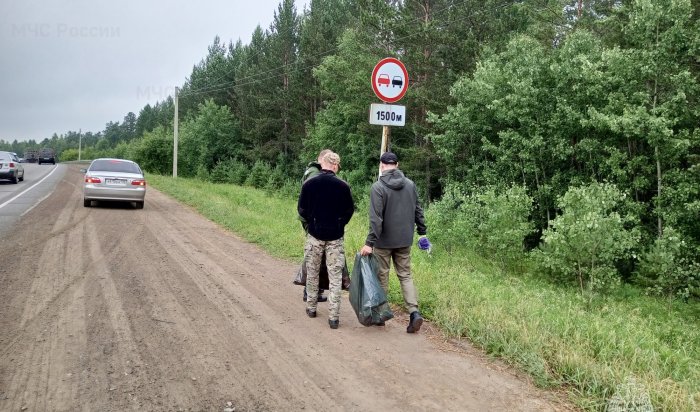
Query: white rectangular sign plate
{"x":387,"y":114}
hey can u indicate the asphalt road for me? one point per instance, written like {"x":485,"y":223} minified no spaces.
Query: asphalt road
{"x":17,"y":199}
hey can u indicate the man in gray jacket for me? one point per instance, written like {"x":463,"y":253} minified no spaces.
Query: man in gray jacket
{"x":394,"y":214}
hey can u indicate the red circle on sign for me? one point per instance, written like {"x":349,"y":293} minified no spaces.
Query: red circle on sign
{"x":379,"y":79}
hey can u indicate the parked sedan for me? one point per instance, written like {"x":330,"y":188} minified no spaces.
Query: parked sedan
{"x":10,"y":167}
{"x":114,"y":180}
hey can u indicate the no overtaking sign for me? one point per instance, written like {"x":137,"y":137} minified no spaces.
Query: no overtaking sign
{"x":390,"y":80}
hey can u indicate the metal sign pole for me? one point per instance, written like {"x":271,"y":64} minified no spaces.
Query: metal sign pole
{"x":386,"y":136}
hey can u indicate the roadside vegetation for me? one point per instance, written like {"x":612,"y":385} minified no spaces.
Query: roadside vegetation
{"x":604,"y":350}
{"x":556,"y":144}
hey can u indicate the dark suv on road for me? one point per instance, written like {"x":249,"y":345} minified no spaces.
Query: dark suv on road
{"x":47,"y":155}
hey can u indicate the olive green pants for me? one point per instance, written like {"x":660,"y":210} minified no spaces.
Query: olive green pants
{"x":402,"y":266}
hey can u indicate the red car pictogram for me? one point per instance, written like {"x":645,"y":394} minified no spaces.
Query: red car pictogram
{"x":383,"y":80}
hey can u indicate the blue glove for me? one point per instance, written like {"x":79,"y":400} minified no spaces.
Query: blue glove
{"x":424,"y":243}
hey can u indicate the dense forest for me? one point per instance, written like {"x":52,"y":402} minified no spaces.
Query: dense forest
{"x":566,"y":131}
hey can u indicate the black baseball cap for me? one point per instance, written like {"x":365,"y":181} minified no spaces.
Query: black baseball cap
{"x":389,"y":158}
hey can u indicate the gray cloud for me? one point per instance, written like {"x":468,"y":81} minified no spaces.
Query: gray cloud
{"x":69,"y":65}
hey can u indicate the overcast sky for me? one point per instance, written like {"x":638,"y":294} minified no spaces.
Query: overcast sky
{"x":78,"y":64}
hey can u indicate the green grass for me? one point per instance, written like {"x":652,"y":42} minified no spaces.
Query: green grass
{"x":589,"y":348}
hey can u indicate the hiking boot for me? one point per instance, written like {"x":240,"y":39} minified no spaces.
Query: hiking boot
{"x":333,"y":323}
{"x":321,"y":298}
{"x":415,"y":323}
{"x":311,"y":312}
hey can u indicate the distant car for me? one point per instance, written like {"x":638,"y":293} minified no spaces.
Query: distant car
{"x":117,"y":180}
{"x":47,"y":155}
{"x":19,"y":159}
{"x":10,"y":167}
{"x":383,"y":80}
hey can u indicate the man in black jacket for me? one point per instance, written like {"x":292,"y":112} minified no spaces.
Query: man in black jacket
{"x":312,"y":170}
{"x":325,"y":203}
{"x":394,"y":214}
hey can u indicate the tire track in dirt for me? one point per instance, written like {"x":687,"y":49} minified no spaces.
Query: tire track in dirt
{"x":225,"y":308}
{"x":217,"y":264}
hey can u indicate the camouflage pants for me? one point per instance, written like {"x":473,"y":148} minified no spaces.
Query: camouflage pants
{"x":335,"y":261}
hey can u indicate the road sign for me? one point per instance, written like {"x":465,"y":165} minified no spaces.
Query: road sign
{"x":390,"y":80}
{"x":387,"y":114}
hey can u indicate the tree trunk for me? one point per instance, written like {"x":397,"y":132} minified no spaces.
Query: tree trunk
{"x":656,"y":152}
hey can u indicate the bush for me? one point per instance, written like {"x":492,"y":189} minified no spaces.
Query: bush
{"x":588,"y":238}
{"x":492,"y":222}
{"x":202,"y":173}
{"x":275,"y":180}
{"x":444,"y":228}
{"x":154,"y":152}
{"x":258,"y":175}
{"x":290,"y":189}
{"x":239,"y":173}
{"x":504,"y":222}
{"x":68,"y":155}
{"x":666,"y":268}
{"x":123,"y":151}
{"x":222,"y":172}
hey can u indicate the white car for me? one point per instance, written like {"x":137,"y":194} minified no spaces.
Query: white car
{"x":117,"y":180}
{"x":10,"y":167}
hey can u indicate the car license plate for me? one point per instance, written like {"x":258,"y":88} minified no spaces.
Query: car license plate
{"x":116,"y":182}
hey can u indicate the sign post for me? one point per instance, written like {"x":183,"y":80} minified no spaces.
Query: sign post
{"x":389,"y":82}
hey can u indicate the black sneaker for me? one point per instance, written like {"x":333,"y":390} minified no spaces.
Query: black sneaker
{"x":333,"y":323}
{"x":415,"y":323}
{"x":311,"y":312}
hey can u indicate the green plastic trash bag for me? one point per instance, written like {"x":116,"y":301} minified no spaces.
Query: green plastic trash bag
{"x":367,"y":297}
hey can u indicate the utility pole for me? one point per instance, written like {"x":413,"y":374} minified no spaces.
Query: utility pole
{"x":175,"y":137}
{"x":80,"y":142}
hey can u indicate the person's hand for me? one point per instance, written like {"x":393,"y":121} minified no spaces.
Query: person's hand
{"x":366,"y":250}
{"x":424,"y":243}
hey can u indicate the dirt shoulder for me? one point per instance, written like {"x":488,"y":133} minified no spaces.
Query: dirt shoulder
{"x":110,"y":308}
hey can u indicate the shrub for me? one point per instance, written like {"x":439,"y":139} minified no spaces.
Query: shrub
{"x":588,"y":238}
{"x":68,"y":155}
{"x":239,"y":173}
{"x":202,"y":173}
{"x":258,"y":175}
{"x":504,"y":222}
{"x":154,"y":152}
{"x":666,"y":268}
{"x":493,"y":222}
{"x":222,"y":171}
{"x":275,"y":180}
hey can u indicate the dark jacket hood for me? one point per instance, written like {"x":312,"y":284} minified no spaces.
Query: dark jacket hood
{"x":393,"y":179}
